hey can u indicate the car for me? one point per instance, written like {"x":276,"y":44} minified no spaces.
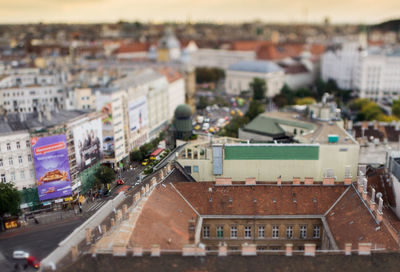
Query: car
{"x":32,"y":261}
{"x":20,"y":254}
{"x":120,"y":182}
{"x":197,"y":127}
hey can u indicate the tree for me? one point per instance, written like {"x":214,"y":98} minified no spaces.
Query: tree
{"x":206,"y":74}
{"x":255,"y":108}
{"x":136,"y":155}
{"x":396,"y":107}
{"x":9,"y":200}
{"x":259,"y":88}
{"x":203,"y":103}
{"x":104,"y":175}
{"x":305,"y":101}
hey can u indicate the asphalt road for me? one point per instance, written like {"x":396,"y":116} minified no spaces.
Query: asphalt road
{"x":38,"y":241}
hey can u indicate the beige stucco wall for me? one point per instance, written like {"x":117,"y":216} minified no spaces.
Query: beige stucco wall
{"x":330,"y":157}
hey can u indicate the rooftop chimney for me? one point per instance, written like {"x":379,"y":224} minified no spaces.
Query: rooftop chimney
{"x":250,"y":181}
{"x":223,"y":181}
{"x":372,"y":201}
{"x":379,"y":213}
{"x":365,"y":187}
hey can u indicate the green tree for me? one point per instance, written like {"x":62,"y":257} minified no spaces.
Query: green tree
{"x":206,"y":74}
{"x":203,"y":103}
{"x":255,"y":108}
{"x":9,"y":200}
{"x":305,"y":101}
{"x":259,"y":88}
{"x":136,"y":155}
{"x":396,"y":108}
{"x":104,"y":175}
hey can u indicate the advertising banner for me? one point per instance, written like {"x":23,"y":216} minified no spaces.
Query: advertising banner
{"x":137,"y":110}
{"x":88,"y":141}
{"x":50,"y":157}
{"x":108,"y":132}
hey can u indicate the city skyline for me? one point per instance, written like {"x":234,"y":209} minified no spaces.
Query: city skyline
{"x":156,"y":11}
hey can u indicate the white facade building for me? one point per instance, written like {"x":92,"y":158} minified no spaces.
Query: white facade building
{"x":377,"y":77}
{"x":29,"y":92}
{"x":241,"y":74}
{"x":16,"y":163}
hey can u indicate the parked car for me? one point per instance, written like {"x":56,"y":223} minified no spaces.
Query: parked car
{"x":32,"y":261}
{"x":20,"y":254}
{"x":145,"y":162}
{"x":120,"y":182}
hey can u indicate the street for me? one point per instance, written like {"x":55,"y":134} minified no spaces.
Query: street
{"x":39,"y":241}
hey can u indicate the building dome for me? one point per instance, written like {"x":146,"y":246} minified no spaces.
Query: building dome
{"x":169,"y":41}
{"x":183,"y":112}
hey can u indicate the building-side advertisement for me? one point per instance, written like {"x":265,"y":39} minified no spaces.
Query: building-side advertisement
{"x":88,"y":141}
{"x":108,"y":132}
{"x":137,"y":114}
{"x":50,"y":157}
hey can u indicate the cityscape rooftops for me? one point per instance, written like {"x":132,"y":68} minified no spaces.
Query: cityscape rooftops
{"x":28,"y":121}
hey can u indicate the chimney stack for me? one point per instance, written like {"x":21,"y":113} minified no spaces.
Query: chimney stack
{"x":365,"y":187}
{"x":372,"y":201}
{"x":192,"y":230}
{"x":379,"y":213}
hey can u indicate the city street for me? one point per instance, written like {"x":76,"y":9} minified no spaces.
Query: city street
{"x":39,"y":241}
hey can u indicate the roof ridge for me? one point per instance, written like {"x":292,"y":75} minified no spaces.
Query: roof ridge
{"x":337,"y":201}
{"x":187,"y":202}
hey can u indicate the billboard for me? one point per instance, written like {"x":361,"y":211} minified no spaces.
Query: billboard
{"x":137,"y":110}
{"x":88,"y":142}
{"x":108,"y":132}
{"x":50,"y":157}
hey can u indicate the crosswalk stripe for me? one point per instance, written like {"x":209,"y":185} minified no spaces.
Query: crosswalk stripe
{"x":96,"y":205}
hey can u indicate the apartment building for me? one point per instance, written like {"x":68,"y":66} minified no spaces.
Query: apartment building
{"x":30,"y":92}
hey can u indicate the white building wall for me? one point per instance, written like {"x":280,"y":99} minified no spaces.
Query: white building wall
{"x":16,"y":161}
{"x":176,"y":95}
{"x":238,"y":81}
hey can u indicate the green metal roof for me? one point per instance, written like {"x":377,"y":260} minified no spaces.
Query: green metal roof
{"x":270,"y":126}
{"x":272,"y":152}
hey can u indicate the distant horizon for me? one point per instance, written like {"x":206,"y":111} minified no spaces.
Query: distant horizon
{"x":339,"y":12}
{"x":195,"y":22}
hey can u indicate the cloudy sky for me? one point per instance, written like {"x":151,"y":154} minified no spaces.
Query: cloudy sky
{"x":352,"y":11}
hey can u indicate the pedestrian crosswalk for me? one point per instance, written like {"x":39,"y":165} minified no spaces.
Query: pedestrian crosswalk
{"x":95,"y":205}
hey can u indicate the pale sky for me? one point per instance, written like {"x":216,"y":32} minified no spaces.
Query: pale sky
{"x":339,"y":11}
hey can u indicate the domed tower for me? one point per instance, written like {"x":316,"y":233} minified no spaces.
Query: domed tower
{"x":182,"y":124}
{"x":169,"y":48}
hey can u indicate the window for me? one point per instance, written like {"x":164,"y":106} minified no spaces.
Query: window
{"x":195,"y":169}
{"x":32,"y":173}
{"x":20,"y":159}
{"x":261,"y":232}
{"x":3,"y":178}
{"x":220,"y":232}
{"x":22,"y":174}
{"x":275,"y":231}
{"x":1,"y":162}
{"x":28,"y":144}
{"x":206,"y":231}
{"x":29,"y":157}
{"x":303,"y":232}
{"x":10,"y":161}
{"x":234,"y":232}
{"x":289,"y":232}
{"x":316,"y":232}
{"x":12,"y":176}
{"x":188,"y":169}
{"x":8,"y":146}
{"x":18,"y":145}
{"x":247,"y":232}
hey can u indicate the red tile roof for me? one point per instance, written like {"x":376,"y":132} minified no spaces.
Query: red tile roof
{"x":259,"y":200}
{"x":351,"y":222}
{"x":133,"y":47}
{"x":248,"y":45}
{"x":170,"y":73}
{"x":281,"y":51}
{"x":163,"y":220}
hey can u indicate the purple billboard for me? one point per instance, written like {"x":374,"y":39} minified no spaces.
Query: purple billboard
{"x":50,"y":156}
